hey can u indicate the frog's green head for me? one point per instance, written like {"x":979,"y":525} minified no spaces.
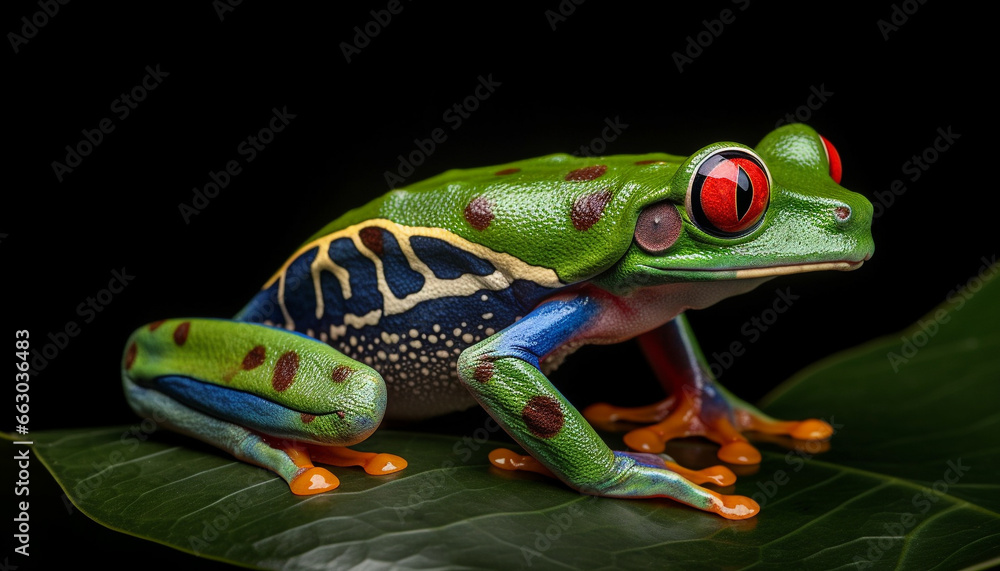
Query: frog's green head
{"x":733,"y":212}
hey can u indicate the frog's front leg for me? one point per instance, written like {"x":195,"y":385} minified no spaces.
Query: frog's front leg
{"x":503,"y":374}
{"x":268,"y":396}
{"x":697,"y":405}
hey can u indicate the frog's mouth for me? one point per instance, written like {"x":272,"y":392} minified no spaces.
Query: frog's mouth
{"x":771,"y":271}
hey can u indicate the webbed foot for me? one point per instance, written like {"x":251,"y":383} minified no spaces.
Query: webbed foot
{"x":713,"y":414}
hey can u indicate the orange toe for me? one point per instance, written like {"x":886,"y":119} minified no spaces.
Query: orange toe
{"x":718,"y":475}
{"x":734,"y":507}
{"x":739,"y":452}
{"x":313,"y":481}
{"x":645,"y":440}
{"x":508,"y":460}
{"x":812,"y":429}
{"x":600,"y":412}
{"x":384,"y":463}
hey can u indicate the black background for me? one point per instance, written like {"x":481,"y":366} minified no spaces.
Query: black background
{"x":887,"y":94}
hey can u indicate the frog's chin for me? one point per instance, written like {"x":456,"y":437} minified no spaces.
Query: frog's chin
{"x":771,"y":271}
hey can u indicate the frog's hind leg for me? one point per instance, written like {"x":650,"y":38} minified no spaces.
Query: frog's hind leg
{"x":268,"y":396}
{"x":502,"y":372}
{"x":288,"y":461}
{"x":698,"y":405}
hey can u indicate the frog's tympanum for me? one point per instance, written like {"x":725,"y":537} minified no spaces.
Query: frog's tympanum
{"x":471,"y":286}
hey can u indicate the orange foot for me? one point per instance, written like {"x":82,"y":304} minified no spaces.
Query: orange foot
{"x":309,"y":479}
{"x":702,"y":416}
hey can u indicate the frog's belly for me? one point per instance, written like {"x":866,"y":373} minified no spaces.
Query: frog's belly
{"x":416,"y":352}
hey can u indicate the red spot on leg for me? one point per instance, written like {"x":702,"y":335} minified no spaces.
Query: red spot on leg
{"x":587,"y":173}
{"x":181,"y":333}
{"x":130,"y":355}
{"x":254,"y":358}
{"x":156,"y":325}
{"x":543,"y":416}
{"x":284,"y":371}
{"x":307,"y":418}
{"x":506,"y":171}
{"x":588,"y":209}
{"x":340,"y":373}
{"x":484,"y":371}
{"x":479,"y":213}
{"x":371,"y":237}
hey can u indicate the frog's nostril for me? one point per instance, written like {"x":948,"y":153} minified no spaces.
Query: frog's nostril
{"x":843,"y":213}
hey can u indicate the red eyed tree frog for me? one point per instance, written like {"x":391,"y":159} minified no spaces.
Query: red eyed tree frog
{"x":470,"y":286}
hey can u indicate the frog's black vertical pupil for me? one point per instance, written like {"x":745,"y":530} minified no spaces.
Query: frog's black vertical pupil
{"x":729,"y":193}
{"x":744,"y":193}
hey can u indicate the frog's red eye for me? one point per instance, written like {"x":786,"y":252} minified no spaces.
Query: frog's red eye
{"x":729,"y":193}
{"x":833,"y":157}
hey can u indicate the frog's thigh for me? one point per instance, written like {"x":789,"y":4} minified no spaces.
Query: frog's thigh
{"x":260,"y":393}
{"x":502,"y":373}
{"x":288,"y":461}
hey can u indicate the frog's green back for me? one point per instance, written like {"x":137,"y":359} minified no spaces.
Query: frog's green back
{"x":575,"y":215}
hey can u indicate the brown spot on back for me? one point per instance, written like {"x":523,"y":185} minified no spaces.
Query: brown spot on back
{"x":589,"y":208}
{"x":340,"y":413}
{"x":651,"y":162}
{"x":587,"y":173}
{"x":181,"y":333}
{"x":371,"y":237}
{"x":254,"y":358}
{"x":340,"y":373}
{"x":284,"y":371}
{"x":479,"y":213}
{"x":156,"y":325}
{"x":307,"y":418}
{"x":506,"y":171}
{"x":484,"y":370}
{"x":130,"y":355}
{"x":543,"y":416}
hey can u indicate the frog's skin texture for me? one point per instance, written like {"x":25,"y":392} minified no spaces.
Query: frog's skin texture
{"x":470,"y":286}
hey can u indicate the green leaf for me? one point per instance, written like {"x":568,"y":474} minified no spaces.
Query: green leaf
{"x":910,"y":481}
